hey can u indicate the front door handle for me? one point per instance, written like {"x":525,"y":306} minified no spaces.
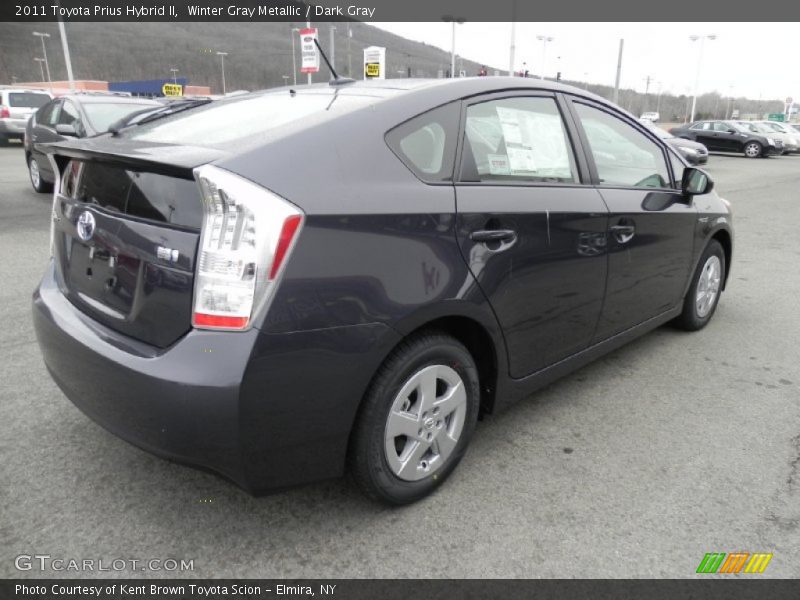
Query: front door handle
{"x":493,"y":235}
{"x":623,"y":233}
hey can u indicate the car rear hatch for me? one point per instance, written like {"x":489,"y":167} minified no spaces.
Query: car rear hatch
{"x":125,"y":238}
{"x":21,"y":105}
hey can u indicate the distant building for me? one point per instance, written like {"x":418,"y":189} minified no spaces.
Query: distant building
{"x":149,"y":87}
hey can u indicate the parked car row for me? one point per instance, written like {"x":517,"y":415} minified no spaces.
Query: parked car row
{"x":752,"y":138}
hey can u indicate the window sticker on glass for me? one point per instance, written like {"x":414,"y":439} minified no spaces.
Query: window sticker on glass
{"x":498,"y":164}
{"x":520,"y":139}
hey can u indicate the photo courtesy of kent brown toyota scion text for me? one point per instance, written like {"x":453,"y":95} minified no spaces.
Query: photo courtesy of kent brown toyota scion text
{"x":290,"y":285}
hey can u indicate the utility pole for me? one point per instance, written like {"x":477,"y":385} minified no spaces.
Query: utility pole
{"x":512,"y":49}
{"x":67,"y":59}
{"x":222,"y":56}
{"x":349,"y":61}
{"x":619,"y":71}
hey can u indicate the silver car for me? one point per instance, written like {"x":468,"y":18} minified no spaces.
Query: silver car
{"x":16,"y":107}
{"x":792,"y":135}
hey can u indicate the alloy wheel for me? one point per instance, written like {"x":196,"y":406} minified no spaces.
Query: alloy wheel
{"x":425,"y":422}
{"x":708,"y":286}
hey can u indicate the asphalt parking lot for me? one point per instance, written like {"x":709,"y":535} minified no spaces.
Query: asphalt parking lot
{"x":635,"y":466}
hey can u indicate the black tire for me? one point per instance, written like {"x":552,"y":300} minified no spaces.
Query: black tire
{"x":691,"y":319}
{"x":38,"y":184}
{"x":367,"y":458}
{"x":756,"y":150}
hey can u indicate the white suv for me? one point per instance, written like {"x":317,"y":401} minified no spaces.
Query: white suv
{"x":16,"y":107}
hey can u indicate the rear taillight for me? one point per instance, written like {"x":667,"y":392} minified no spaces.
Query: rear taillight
{"x":247,"y":235}
{"x":4,"y":112}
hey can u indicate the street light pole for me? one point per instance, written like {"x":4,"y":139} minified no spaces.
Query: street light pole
{"x":544,"y":39}
{"x":333,"y":47}
{"x":41,"y":65}
{"x":294,"y":54}
{"x":222,"y":56}
{"x":65,"y":47}
{"x":619,"y":71}
{"x":41,"y":36}
{"x":702,"y":39}
{"x":174,"y":75}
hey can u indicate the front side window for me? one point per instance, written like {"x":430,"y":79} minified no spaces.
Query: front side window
{"x":723,"y":127}
{"x":517,"y":139}
{"x":622,"y":154}
{"x":70,"y":116}
{"x":700,"y":125}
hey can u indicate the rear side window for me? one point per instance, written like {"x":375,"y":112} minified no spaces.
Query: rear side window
{"x":516,"y":139}
{"x":427,"y":143}
{"x":27,"y":99}
{"x":622,"y":154}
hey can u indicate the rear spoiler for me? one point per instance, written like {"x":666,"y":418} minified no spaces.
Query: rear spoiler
{"x":165,"y":159}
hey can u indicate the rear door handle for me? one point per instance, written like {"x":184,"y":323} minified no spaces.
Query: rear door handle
{"x":623,"y":233}
{"x":493,"y":235}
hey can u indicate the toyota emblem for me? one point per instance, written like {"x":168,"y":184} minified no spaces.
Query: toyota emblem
{"x":86,"y":226}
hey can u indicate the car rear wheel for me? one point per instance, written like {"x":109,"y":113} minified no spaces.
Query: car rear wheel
{"x":416,"y":419}
{"x":3,"y":140}
{"x":39,"y":184}
{"x":703,"y":296}
{"x":752,"y":150}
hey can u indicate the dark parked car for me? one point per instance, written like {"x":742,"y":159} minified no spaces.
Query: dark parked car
{"x":280,"y":284}
{"x":730,"y":136}
{"x":695,"y":153}
{"x":76,"y":115}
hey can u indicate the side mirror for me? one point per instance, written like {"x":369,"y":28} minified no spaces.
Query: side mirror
{"x":696,"y":182}
{"x":69,"y":130}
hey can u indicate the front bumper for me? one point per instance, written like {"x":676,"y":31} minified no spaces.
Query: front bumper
{"x":266,"y":411}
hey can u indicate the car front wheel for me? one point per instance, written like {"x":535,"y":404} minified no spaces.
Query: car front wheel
{"x":703,"y":296}
{"x":752,"y":150}
{"x":39,"y":184}
{"x":416,"y":419}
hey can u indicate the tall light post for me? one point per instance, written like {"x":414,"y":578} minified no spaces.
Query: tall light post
{"x":41,"y":36}
{"x":65,"y":48}
{"x":333,"y":47}
{"x":174,"y":75}
{"x":222,"y":56}
{"x":41,"y":65}
{"x":658,"y":98}
{"x":728,"y":112}
{"x":545,"y":39}
{"x":702,"y":39}
{"x":294,"y":54}
{"x":349,"y":61}
{"x":453,"y":20}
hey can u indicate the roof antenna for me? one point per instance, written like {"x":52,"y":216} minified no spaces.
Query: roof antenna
{"x":336,"y":79}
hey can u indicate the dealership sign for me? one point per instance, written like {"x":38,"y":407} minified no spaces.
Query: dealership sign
{"x":374,"y":62}
{"x":308,"y":49}
{"x":172,"y":89}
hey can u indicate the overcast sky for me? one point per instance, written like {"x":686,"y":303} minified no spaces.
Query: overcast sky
{"x":754,"y":58}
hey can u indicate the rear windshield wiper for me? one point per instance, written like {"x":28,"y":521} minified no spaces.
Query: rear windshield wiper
{"x":172,"y":108}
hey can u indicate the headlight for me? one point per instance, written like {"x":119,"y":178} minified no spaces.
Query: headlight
{"x":793,"y":141}
{"x":770,"y":141}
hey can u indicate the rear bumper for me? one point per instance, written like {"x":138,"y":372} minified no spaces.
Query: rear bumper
{"x":266,"y":411}
{"x":13,"y":127}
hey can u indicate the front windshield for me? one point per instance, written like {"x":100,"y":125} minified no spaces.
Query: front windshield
{"x":102,"y":114}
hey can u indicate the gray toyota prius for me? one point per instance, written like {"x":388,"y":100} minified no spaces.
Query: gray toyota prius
{"x":290,"y":284}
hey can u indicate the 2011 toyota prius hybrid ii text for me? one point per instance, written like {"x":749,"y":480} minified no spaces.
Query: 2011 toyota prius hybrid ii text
{"x":282,"y":285}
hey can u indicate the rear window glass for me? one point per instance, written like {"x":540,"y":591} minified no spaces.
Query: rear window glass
{"x":102,"y":115}
{"x":232,"y":120}
{"x":27,"y":99}
{"x":150,"y":196}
